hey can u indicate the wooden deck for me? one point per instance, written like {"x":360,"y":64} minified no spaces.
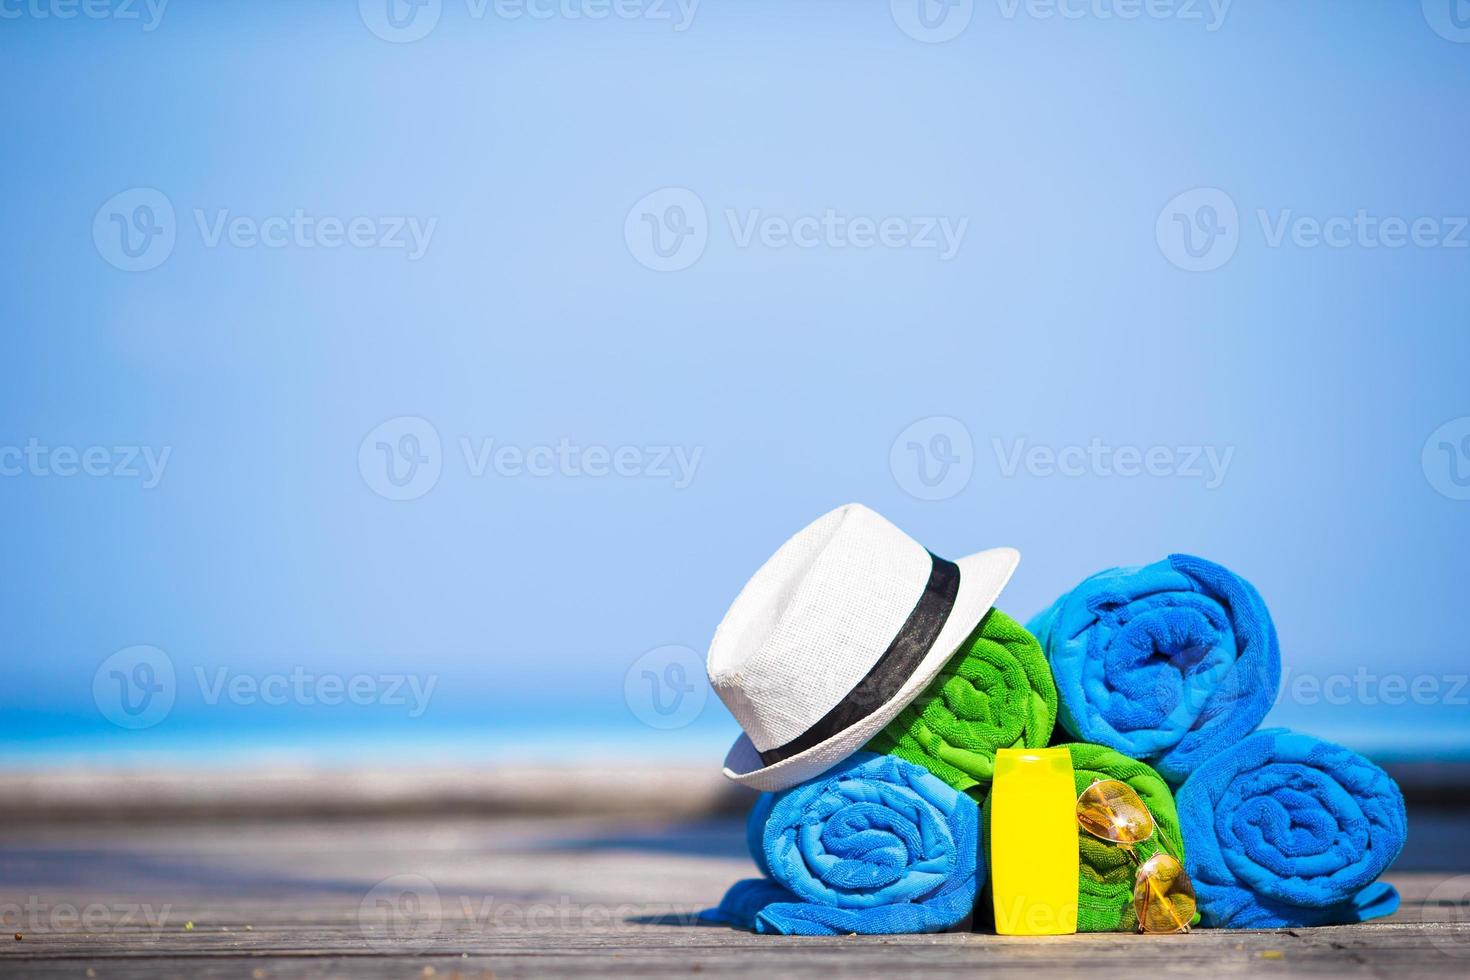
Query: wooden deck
{"x":584,"y":896}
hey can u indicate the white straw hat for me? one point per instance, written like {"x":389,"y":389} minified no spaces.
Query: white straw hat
{"x":835,"y":634}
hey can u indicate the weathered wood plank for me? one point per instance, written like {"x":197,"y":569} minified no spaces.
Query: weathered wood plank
{"x":569,"y":897}
{"x":125,"y":795}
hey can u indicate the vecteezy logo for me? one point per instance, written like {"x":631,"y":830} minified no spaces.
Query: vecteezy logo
{"x":1199,"y":229}
{"x":1450,"y":19}
{"x":401,"y":907}
{"x":400,"y":21}
{"x":665,"y":688}
{"x":932,"y":21}
{"x":933,"y":458}
{"x":135,"y":230}
{"x":1449,"y":903}
{"x":667,"y":230}
{"x":134,"y":688}
{"x":1446,"y":459}
{"x":401,"y":459}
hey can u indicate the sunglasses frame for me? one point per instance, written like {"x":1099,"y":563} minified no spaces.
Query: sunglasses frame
{"x":1128,"y":849}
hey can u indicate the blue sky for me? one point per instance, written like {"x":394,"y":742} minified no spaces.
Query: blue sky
{"x":1193,"y":280}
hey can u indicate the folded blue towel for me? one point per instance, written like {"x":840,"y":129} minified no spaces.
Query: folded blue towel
{"x":1167,"y":663}
{"x":876,"y":845}
{"x":1288,"y":830}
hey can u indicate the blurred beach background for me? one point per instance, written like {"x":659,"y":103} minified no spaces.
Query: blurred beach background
{"x":413,"y":386}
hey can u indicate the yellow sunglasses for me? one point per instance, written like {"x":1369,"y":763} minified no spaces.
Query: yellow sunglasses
{"x":1163,"y":895}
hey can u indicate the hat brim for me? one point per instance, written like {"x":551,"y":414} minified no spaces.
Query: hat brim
{"x":982,"y":577}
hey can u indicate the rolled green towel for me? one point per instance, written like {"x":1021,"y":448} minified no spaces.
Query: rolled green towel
{"x":1106,"y":876}
{"x":996,"y":693}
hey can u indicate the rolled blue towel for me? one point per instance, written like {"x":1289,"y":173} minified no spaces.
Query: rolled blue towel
{"x":1167,"y":663}
{"x":1287,"y":830}
{"x":876,"y":845}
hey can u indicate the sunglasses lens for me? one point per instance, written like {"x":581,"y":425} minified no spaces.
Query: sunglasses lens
{"x":1163,"y":896}
{"x":1110,"y":809}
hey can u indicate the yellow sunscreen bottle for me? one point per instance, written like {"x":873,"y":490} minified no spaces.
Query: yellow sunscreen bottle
{"x":1033,"y":843}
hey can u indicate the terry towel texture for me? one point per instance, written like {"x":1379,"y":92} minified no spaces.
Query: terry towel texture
{"x":1168,"y":663}
{"x":1105,"y":875}
{"x":1288,"y":830}
{"x":876,"y":845}
{"x":996,"y":693}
